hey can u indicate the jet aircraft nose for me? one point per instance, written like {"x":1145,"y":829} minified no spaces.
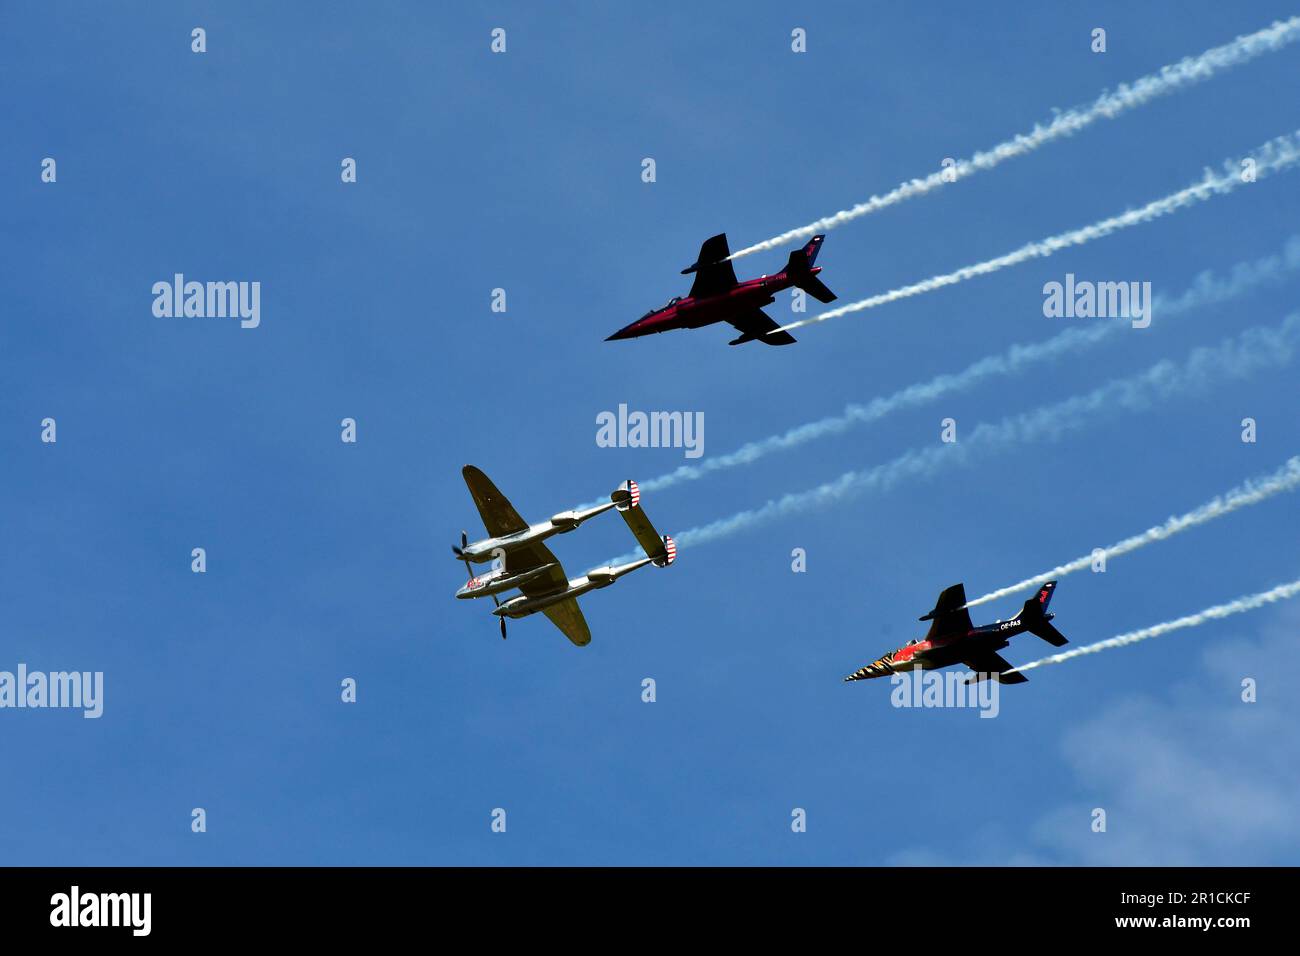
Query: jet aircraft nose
{"x":880,"y":667}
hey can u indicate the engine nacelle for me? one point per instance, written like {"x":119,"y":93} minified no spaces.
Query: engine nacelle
{"x":565,"y":519}
{"x":509,"y":608}
{"x":601,"y":575}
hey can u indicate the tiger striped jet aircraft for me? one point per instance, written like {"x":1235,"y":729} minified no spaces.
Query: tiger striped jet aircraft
{"x":527,"y":564}
{"x":717,"y":296}
{"x":952,"y":639}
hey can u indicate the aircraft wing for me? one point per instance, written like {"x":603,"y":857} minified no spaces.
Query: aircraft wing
{"x":984,"y":663}
{"x":949,"y":615}
{"x":567,"y":616}
{"x":532,"y":556}
{"x":714,"y":274}
{"x":756,"y":324}
{"x":498,"y":514}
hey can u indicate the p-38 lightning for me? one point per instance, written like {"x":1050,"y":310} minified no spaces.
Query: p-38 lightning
{"x":523,"y":561}
{"x":717,"y":296}
{"x":952,"y":639}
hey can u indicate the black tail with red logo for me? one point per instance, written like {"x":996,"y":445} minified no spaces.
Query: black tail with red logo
{"x":1036,"y":619}
{"x":801,"y":272}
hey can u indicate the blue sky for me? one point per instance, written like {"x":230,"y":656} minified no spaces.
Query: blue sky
{"x":522,"y":171}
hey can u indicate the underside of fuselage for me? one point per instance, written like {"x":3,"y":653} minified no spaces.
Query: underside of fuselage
{"x":940,"y":652}
{"x":695,"y":314}
{"x":523,"y":606}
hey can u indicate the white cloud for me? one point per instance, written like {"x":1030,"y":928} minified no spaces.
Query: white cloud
{"x":1187,"y":774}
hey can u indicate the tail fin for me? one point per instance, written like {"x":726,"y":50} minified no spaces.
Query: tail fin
{"x":627,"y":495}
{"x":1037,"y":620}
{"x":668,"y":555}
{"x":810,"y":251}
{"x":802,"y":273}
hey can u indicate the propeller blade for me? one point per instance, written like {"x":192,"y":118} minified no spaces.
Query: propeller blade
{"x":464,"y":540}
{"x":503,"y":629}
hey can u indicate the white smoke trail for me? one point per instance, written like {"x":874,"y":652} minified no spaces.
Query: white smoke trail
{"x":1274,"y":156}
{"x":1286,"y":478}
{"x":1170,"y":79}
{"x":1249,"y":603}
{"x":1238,"y":357}
{"x":1206,"y":289}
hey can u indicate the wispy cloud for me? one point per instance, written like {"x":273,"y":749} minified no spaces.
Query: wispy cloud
{"x":1187,"y":773}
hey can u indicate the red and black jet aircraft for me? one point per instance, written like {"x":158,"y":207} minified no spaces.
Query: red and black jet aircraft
{"x":716,"y":296}
{"x":954,"y":640}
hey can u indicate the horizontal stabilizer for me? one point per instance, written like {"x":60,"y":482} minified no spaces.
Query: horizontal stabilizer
{"x":1050,"y":634}
{"x":817,"y":289}
{"x":628,"y":498}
